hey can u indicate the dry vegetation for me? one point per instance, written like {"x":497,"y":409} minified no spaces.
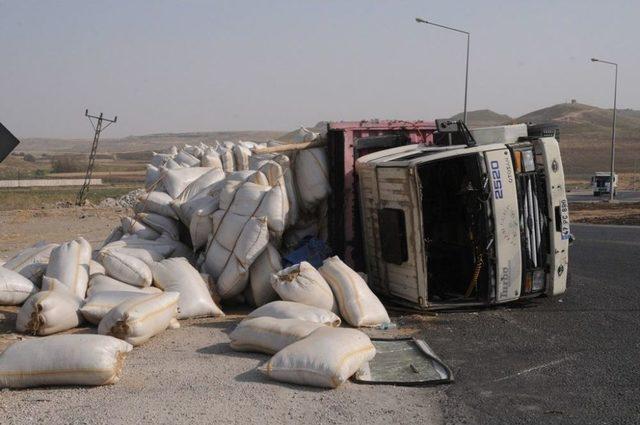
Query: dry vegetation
{"x":605,"y":213}
{"x":48,"y":197}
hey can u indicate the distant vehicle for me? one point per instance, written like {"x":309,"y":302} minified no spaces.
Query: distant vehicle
{"x":475,"y":217}
{"x":601,"y":183}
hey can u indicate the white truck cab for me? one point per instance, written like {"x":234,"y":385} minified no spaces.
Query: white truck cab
{"x":446,"y":226}
{"x":601,"y":183}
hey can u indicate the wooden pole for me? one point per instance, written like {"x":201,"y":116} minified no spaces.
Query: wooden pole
{"x":289,"y":147}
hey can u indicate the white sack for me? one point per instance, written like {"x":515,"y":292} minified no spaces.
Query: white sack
{"x":137,"y":320}
{"x":291,"y":310}
{"x":252,"y":241}
{"x":326,"y":358}
{"x":69,"y":264}
{"x":251,"y":199}
{"x":157,"y":248}
{"x":159,"y":159}
{"x":275,"y":207}
{"x":226,"y":157}
{"x":195,"y":151}
{"x":211,"y":159}
{"x":269,"y":335}
{"x":186,"y":159}
{"x":242,"y":198}
{"x":260,"y":272}
{"x":241,"y":155}
{"x":31,"y":262}
{"x":252,"y":176}
{"x":226,"y":230}
{"x":63,"y":360}
{"x":176,"y":180}
{"x":358,"y":304}
{"x":160,"y":224}
{"x":49,"y":312}
{"x":153,"y":178}
{"x":148,"y":256}
{"x":170,"y":165}
{"x":312,"y":176}
{"x":95,"y":268}
{"x":200,"y":228}
{"x":299,"y":136}
{"x":289,"y":181}
{"x":126,"y":268}
{"x":201,"y":184}
{"x":233,"y":280}
{"x":102,"y":283}
{"x":177,"y":275}
{"x":302,"y":283}
{"x":179,"y":249}
{"x":14,"y":288}
{"x":158,"y":203}
{"x":98,"y":305}
{"x":136,"y":227}
{"x":186,"y":210}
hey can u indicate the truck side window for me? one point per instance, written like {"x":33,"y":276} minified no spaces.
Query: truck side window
{"x":393,"y":235}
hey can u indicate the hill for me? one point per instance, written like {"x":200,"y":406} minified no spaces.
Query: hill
{"x":483,"y":118}
{"x":149,"y":142}
{"x":585,"y":136}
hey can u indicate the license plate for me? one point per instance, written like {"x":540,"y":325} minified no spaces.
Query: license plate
{"x":564,"y":219}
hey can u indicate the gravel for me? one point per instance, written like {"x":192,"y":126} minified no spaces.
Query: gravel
{"x":190,"y":375}
{"x":128,"y":200}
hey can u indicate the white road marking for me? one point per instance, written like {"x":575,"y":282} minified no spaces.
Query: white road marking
{"x":531,"y":369}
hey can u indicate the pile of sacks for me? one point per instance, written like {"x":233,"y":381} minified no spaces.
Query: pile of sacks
{"x":212,"y":224}
{"x":302,"y":331}
{"x":131,"y":292}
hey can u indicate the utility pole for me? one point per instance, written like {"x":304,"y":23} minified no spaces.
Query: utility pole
{"x":466,"y":74}
{"x":613,"y":125}
{"x":97,"y":127}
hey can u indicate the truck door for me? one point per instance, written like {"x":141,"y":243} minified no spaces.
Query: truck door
{"x":391,"y":219}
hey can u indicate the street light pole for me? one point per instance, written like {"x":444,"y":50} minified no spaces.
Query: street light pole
{"x":466,"y":76}
{"x":613,"y":127}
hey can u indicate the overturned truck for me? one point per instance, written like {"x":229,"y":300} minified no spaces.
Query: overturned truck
{"x":440,"y":216}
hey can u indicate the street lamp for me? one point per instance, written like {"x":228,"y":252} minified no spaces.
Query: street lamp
{"x":613,"y":127}
{"x":466,"y":77}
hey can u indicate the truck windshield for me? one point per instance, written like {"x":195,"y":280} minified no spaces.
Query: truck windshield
{"x":454,"y":205}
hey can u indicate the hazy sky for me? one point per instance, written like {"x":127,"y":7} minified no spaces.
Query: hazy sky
{"x":171,"y":66}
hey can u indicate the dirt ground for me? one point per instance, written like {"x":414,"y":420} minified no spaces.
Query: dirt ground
{"x":190,"y":374}
{"x":605,"y":213}
{"x":20,"y":228}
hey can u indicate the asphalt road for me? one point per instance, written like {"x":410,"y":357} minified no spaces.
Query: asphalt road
{"x":587,"y":196}
{"x":573,"y":359}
